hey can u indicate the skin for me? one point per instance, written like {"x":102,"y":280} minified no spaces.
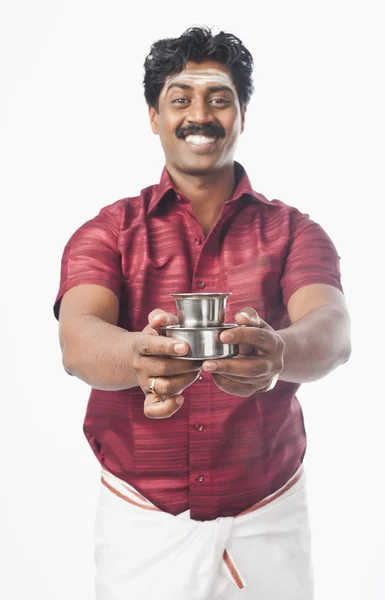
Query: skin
{"x":107,"y":357}
{"x":205,"y":176}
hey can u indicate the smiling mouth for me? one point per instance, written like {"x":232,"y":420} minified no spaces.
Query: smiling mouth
{"x":200,"y":141}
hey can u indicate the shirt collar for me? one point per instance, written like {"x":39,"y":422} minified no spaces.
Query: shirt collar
{"x":243,"y":187}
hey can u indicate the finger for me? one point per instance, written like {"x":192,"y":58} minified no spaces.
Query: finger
{"x":248,"y":368}
{"x":158,"y":345}
{"x":255,"y":381}
{"x":159,"y":366}
{"x":165,"y":387}
{"x":231,"y":387}
{"x":249,"y":316}
{"x":160,"y":318}
{"x":155,"y":408}
{"x":250,"y":336}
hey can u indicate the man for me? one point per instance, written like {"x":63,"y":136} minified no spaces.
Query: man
{"x":203,"y":493}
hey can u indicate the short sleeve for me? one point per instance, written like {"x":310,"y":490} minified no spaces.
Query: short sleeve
{"x":91,"y":256}
{"x":312,"y":257}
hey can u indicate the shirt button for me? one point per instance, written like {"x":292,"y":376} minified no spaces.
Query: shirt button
{"x":200,"y":377}
{"x":199,"y":478}
{"x":198,"y":241}
{"x":201,"y":285}
{"x":199,"y":427}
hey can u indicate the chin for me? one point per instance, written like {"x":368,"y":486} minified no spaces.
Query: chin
{"x":201,"y":166}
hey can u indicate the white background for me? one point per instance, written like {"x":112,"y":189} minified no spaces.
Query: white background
{"x":74,"y":138}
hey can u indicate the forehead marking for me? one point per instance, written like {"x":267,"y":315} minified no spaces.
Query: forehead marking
{"x":214,"y":76}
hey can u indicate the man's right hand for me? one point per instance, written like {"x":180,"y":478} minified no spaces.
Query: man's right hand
{"x":153,"y":358}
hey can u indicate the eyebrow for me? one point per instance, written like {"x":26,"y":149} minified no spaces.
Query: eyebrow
{"x":213,"y":88}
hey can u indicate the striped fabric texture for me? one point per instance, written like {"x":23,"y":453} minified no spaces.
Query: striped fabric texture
{"x":219,"y":454}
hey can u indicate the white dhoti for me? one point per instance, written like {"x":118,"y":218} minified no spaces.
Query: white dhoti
{"x":143,"y":553}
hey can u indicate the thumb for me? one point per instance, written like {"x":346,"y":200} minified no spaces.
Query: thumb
{"x":248,"y":316}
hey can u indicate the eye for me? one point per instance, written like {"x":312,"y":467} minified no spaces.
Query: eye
{"x":180,"y":101}
{"x":220,"y":101}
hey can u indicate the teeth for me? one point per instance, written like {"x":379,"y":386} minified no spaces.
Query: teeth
{"x":199,"y":139}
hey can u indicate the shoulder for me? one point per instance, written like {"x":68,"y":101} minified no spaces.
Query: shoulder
{"x":278,"y":214}
{"x":131,"y":207}
{"x":114,"y":216}
{"x":278,"y":206}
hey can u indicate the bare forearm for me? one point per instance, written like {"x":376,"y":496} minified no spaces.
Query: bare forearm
{"x":315,"y":345}
{"x":100,"y":354}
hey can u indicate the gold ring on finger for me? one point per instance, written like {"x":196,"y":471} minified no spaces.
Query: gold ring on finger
{"x":270,"y":385}
{"x":152,"y":386}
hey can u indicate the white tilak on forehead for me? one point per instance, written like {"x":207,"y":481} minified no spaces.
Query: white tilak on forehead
{"x":204,"y":76}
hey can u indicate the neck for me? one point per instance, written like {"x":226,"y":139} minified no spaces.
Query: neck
{"x":207,"y":193}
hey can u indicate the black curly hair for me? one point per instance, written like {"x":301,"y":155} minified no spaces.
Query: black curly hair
{"x":169,"y":55}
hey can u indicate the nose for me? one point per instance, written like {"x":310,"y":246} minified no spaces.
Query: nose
{"x":199,"y":111}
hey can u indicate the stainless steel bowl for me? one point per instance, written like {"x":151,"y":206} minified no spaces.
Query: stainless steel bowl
{"x":204,"y":341}
{"x":201,"y":310}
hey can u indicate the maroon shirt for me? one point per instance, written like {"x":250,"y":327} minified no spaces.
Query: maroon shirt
{"x":219,"y":453}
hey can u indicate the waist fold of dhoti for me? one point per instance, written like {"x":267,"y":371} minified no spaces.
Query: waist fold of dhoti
{"x":199,"y":552}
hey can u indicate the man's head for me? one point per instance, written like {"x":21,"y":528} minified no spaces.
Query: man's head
{"x":197,"y":87}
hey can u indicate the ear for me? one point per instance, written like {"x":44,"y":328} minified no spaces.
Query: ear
{"x":153,"y":119}
{"x":243,"y":116}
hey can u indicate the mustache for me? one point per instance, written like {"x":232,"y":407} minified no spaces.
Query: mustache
{"x":206,"y":129}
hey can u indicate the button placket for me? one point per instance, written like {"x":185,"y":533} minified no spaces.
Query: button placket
{"x":199,"y":442}
{"x":203,"y":277}
{"x":199,"y":280}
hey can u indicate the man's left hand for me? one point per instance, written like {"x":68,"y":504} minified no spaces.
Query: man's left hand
{"x":260,"y":358}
